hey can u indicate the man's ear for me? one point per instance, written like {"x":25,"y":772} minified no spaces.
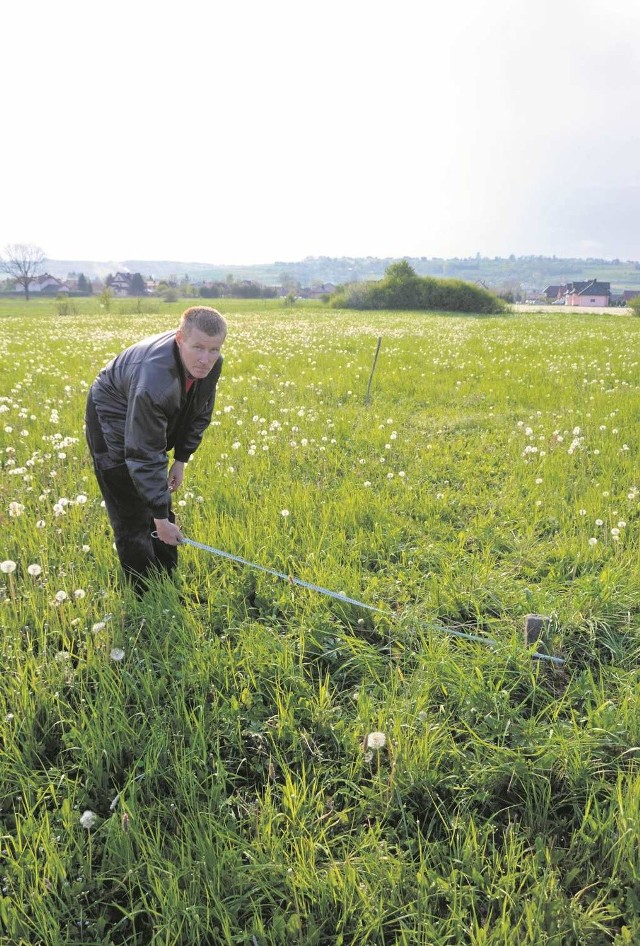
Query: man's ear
{"x":179,"y":336}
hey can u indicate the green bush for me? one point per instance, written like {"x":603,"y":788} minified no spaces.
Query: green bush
{"x":65,"y":305}
{"x":634,"y":305}
{"x":401,"y":288}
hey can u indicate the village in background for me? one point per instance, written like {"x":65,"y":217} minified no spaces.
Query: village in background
{"x":532,"y":280}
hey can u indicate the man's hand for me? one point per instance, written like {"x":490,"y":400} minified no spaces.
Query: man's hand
{"x":168,"y":532}
{"x":176,"y":475}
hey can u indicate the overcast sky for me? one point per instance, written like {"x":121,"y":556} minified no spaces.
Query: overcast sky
{"x":255,"y":131}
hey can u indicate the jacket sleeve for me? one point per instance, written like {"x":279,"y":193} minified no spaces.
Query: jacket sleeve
{"x":189,"y":439}
{"x":145,"y":450}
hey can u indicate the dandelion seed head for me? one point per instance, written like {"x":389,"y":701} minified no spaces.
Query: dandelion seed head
{"x":34,"y":570}
{"x":116,"y":654}
{"x":88,"y":819}
{"x":376,"y":740}
{"x":7,"y":567}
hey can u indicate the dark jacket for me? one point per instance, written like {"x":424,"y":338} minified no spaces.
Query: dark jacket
{"x":144,"y":410}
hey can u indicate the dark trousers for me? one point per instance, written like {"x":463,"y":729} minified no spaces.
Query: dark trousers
{"x":141,"y":555}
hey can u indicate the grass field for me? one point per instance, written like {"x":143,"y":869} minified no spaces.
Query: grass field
{"x":274,"y":766}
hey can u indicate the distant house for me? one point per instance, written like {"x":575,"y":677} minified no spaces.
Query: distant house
{"x":623,"y":298}
{"x":553,"y":293}
{"x":591,"y":293}
{"x":46,"y":284}
{"x":121,"y":284}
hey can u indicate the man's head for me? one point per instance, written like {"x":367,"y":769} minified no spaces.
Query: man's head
{"x":199,"y":338}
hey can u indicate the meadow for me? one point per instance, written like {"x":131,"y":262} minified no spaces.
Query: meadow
{"x":268,"y":765}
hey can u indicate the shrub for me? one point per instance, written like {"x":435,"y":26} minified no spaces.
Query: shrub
{"x":65,"y":305}
{"x":106,"y":298}
{"x":401,"y":288}
{"x":634,"y":305}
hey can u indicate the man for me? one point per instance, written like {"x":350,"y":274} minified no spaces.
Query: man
{"x":154,"y":397}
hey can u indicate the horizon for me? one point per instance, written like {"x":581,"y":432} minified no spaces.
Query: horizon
{"x":324,"y":256}
{"x":524,"y":274}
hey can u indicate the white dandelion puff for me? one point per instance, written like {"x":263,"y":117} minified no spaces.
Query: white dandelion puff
{"x":376,"y":740}
{"x":88,"y":819}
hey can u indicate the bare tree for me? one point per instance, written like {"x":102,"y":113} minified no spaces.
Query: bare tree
{"x":22,"y":261}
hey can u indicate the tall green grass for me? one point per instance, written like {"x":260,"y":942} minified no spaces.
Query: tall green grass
{"x":222,"y":748}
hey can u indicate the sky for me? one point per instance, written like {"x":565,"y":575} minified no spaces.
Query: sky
{"x":254,"y":132}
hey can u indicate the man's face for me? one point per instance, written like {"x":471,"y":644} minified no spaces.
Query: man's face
{"x":199,"y":351}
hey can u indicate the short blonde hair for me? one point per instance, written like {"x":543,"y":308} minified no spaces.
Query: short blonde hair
{"x":204,"y":318}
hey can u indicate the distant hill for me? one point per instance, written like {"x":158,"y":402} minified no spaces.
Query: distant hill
{"x":526,"y":272}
